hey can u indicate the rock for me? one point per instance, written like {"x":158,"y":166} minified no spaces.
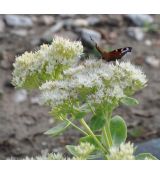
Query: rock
{"x":46,"y":20}
{"x":140,"y":19}
{"x":35,"y":41}
{"x":5,"y":64}
{"x":35,"y":100}
{"x":136,"y":33}
{"x":152,"y":61}
{"x":18,"y":21}
{"x":93,"y":20}
{"x":114,"y":20}
{"x":87,"y":34}
{"x":48,"y":35}
{"x":2,"y":26}
{"x":68,"y":35}
{"x":80,"y":23}
{"x":7,"y":58}
{"x":151,"y":146}
{"x":51,"y":121}
{"x":148,"y":42}
{"x":20,"y":32}
{"x":20,"y":96}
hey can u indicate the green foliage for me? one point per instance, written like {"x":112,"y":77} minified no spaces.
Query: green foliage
{"x":90,"y":140}
{"x":58,"y":129}
{"x":129,"y":101}
{"x":97,"y":121}
{"x":145,"y":156}
{"x":118,"y":130}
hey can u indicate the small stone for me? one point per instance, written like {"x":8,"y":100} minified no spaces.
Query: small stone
{"x":152,"y":61}
{"x":140,"y":19}
{"x":80,"y":23}
{"x":35,"y":100}
{"x":48,"y":35}
{"x":151,"y":146}
{"x":136,"y":33}
{"x":44,"y":143}
{"x":51,"y":121}
{"x":28,"y":121}
{"x":35,"y":41}
{"x":20,"y":96}
{"x":20,"y":32}
{"x":93,"y":20}
{"x":87,"y":34}
{"x":148,"y":42}
{"x":18,"y":21}
{"x":5,"y":64}
{"x":68,"y":35}
{"x":2,"y":26}
{"x":46,"y":20}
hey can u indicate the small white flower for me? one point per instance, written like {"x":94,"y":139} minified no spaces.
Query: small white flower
{"x":123,"y":152}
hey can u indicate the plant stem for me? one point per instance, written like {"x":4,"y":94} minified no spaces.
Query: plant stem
{"x":89,"y":131}
{"x":76,"y":127}
{"x":107,"y":133}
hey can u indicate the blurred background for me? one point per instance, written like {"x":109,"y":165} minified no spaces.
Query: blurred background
{"x":23,"y":121}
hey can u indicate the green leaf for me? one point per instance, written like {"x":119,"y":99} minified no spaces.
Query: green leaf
{"x":144,"y":156}
{"x":90,"y":140}
{"x":118,"y":130}
{"x":58,"y":129}
{"x":71,"y":149}
{"x":129,"y":101}
{"x":79,"y":114}
{"x":97,"y":122}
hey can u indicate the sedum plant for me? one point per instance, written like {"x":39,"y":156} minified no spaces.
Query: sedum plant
{"x":83,"y":96}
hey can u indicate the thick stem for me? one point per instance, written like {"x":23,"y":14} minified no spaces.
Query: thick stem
{"x":89,"y":131}
{"x":107,"y":133}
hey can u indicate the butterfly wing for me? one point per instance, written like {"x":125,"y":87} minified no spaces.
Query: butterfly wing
{"x":115,"y":54}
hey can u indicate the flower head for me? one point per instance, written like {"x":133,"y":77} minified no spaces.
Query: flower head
{"x":123,"y":152}
{"x":95,"y":82}
{"x":34,"y":68}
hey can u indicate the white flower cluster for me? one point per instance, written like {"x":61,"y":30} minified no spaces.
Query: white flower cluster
{"x":95,"y":81}
{"x":123,"y":152}
{"x":83,"y":150}
{"x":49,"y":60}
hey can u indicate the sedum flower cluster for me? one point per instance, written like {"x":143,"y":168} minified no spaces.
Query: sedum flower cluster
{"x":93,"y":82}
{"x":33,"y":68}
{"x":123,"y":152}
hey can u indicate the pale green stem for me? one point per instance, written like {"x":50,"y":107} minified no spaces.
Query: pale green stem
{"x":89,"y":131}
{"x":76,"y":126}
{"x":91,"y":108}
{"x":107,"y":133}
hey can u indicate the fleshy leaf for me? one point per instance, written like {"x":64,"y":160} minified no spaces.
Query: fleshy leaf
{"x":118,"y":130}
{"x":129,"y":101}
{"x":57,"y":129}
{"x":71,"y":149}
{"x":97,"y":122}
{"x":145,"y":156}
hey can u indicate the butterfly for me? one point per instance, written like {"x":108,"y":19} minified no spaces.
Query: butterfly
{"x":113,"y":55}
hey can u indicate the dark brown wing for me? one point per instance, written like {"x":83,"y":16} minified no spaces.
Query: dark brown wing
{"x":113,"y":55}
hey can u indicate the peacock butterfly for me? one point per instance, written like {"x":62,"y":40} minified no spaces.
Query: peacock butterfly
{"x":113,"y":55}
